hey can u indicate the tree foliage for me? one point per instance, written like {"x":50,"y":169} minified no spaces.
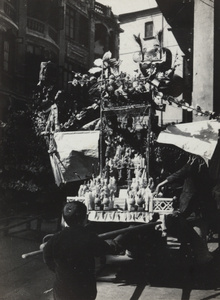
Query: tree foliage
{"x":26,"y":165}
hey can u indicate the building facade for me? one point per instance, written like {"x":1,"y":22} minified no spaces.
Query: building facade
{"x":195,"y":25}
{"x":153,"y":30}
{"x":70,"y":33}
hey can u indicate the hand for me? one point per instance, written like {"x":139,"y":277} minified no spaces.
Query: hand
{"x":155,"y":193}
{"x":176,"y":213}
{"x":42,"y":246}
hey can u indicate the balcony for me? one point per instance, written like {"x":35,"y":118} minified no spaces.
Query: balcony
{"x":103,"y":10}
{"x":35,"y":25}
{"x":8,"y":17}
{"x":10,"y":11}
{"x":43,"y":29}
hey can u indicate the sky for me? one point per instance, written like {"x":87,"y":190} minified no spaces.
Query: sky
{"x":126,"y":6}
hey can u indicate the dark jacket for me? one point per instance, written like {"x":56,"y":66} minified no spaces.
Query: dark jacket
{"x":71,"y":255}
{"x":195,"y":193}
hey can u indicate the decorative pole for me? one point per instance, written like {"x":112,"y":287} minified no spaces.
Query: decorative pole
{"x":101,"y":126}
{"x":148,"y":145}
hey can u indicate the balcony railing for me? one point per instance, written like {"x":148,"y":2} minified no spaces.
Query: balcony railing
{"x":35,"y":25}
{"x":103,"y":10}
{"x":10,"y":11}
{"x":42,"y":28}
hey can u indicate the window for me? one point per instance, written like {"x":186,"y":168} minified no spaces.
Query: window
{"x":33,"y":49}
{"x":148,"y":30}
{"x":84,"y":31}
{"x":30,"y":49}
{"x":70,"y":23}
{"x":6,"y":56}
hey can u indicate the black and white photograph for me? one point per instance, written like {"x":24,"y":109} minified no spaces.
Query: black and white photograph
{"x":109,"y":140}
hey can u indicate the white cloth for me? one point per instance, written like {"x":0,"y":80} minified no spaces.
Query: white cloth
{"x":198,"y":138}
{"x":76,"y":156}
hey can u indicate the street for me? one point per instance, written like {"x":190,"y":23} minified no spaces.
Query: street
{"x":120,"y":277}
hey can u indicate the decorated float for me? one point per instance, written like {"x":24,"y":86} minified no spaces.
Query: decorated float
{"x":111,"y":148}
{"x":110,"y":145}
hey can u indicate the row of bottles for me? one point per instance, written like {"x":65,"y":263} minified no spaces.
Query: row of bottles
{"x":99,"y":193}
{"x":140,"y":195}
{"x":125,"y":156}
{"x":125,"y":167}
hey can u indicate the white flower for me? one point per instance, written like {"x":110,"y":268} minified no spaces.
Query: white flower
{"x":95,"y":70}
{"x":98,"y":62}
{"x":107,"y":56}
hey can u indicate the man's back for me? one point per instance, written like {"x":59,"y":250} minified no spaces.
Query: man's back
{"x":70,"y":254}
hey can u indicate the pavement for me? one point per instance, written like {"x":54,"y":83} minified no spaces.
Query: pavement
{"x":169,"y":276}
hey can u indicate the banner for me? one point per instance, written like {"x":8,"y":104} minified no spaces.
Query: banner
{"x":76,"y":155}
{"x":198,"y":138}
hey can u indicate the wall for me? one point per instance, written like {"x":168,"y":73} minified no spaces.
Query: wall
{"x":203,"y":57}
{"x":134,"y":23}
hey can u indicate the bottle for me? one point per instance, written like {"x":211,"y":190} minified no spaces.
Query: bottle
{"x":131,"y":202}
{"x":147,"y":198}
{"x":150,"y":201}
{"x":87,"y":200}
{"x":80,"y":191}
{"x":139,"y":201}
{"x":97,"y":202}
{"x":106,"y":201}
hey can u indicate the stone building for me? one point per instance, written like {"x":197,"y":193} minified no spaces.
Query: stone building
{"x":70,"y":33}
{"x":195,"y":24}
{"x":154,"y":30}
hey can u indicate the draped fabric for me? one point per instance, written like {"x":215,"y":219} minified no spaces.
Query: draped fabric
{"x":76,"y":155}
{"x":199,"y":138}
{"x":55,"y":165}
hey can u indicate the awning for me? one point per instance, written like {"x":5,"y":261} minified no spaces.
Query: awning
{"x":179,"y":15}
{"x":198,"y":138}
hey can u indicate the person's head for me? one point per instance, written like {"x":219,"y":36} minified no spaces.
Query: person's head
{"x":75,"y":213}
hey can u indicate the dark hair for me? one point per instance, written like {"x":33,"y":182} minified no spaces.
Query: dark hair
{"x":74,"y":213}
